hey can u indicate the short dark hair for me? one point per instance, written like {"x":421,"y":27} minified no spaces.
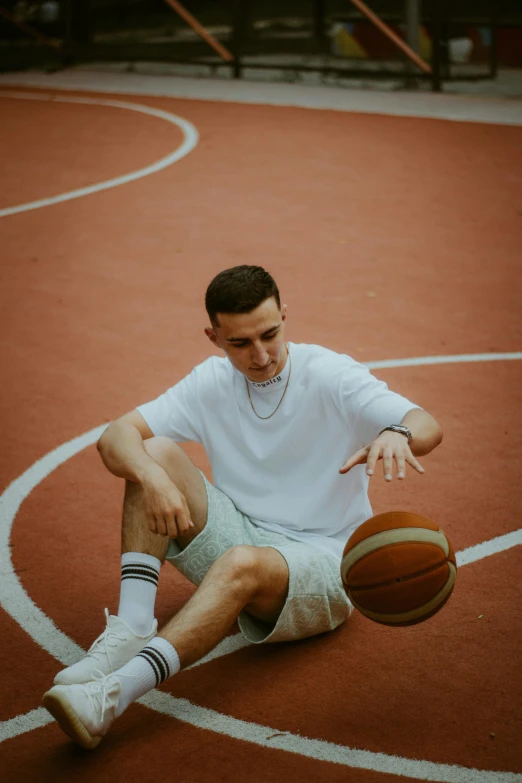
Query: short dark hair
{"x":239,"y":289}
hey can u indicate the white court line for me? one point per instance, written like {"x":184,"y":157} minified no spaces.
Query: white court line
{"x":24,"y":723}
{"x":422,"y":361}
{"x":41,"y":628}
{"x":189,"y":142}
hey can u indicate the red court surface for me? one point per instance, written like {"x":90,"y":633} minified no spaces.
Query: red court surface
{"x":391,"y":238}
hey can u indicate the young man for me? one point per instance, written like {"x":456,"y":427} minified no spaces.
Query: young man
{"x":278,"y":421}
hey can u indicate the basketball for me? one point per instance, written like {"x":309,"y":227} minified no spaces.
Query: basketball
{"x":398,"y":568}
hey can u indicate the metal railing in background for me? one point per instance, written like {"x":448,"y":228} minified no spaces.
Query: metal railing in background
{"x":233,"y":35}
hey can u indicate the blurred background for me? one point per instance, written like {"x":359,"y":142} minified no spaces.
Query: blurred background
{"x":311,"y":41}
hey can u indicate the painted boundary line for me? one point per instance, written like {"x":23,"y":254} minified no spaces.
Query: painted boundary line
{"x":422,"y":361}
{"x":41,"y":628}
{"x":190,"y":141}
{"x":457,"y":108}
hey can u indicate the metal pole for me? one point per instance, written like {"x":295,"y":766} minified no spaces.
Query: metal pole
{"x":413,"y":23}
{"x":397,"y":40}
{"x":319,"y":6}
{"x":242,"y":16}
{"x":436,"y":32}
{"x":68,"y":35}
{"x":29,"y":29}
{"x":493,"y":44}
{"x":200,"y":30}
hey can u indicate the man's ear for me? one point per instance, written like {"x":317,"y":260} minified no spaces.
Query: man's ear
{"x":283,"y":312}
{"x":212,"y":336}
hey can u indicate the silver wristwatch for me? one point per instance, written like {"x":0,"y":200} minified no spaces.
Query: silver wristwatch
{"x":398,"y":428}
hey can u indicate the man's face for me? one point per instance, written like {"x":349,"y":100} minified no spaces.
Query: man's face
{"x":254,"y":342}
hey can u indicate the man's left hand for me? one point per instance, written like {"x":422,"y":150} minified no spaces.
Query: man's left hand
{"x":388,"y":446}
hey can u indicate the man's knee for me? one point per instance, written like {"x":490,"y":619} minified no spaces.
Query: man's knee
{"x":240,"y":566}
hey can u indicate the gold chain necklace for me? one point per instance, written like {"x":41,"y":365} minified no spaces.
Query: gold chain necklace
{"x":264,"y":418}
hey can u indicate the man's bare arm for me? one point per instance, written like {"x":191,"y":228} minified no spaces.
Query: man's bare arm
{"x":393,"y":446}
{"x":426,"y":431}
{"x":122,"y":451}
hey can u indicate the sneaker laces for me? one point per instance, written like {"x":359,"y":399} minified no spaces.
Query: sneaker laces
{"x":108,"y":638}
{"x":98,"y":690}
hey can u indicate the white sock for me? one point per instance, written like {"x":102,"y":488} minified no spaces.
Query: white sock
{"x":148,"y":669}
{"x":139,"y":584}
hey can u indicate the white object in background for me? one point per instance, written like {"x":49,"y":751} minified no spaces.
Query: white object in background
{"x":460,"y":49}
{"x":49,"y":11}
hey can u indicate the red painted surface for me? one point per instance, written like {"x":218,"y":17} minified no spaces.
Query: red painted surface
{"x":102,"y":309}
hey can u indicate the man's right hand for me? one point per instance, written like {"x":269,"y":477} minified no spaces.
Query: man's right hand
{"x":165,"y":506}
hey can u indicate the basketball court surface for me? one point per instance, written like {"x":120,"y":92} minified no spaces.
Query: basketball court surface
{"x":393,"y":226}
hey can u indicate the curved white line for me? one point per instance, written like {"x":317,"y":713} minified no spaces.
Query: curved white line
{"x":189,"y":142}
{"x":41,"y":628}
{"x":422,"y":361}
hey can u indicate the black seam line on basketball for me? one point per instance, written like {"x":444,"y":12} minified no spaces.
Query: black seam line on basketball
{"x":161,"y":662}
{"x":140,"y":570}
{"x":141,"y":578}
{"x":152,"y":666}
{"x":389,"y":582}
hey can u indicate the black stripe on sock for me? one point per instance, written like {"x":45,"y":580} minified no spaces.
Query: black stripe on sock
{"x":165,"y":661}
{"x":142,"y":566}
{"x":143,"y":570}
{"x":151,"y":664}
{"x":159,"y":660}
{"x":142,"y":578}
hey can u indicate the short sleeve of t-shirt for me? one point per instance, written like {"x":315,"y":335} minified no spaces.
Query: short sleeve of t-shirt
{"x":175,"y":412}
{"x":367,"y":402}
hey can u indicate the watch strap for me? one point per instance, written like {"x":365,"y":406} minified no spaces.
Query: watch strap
{"x":398,"y":428}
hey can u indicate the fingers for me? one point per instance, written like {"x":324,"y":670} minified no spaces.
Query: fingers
{"x":387,"y":463}
{"x":414,"y":463}
{"x":183,"y":520}
{"x":401,"y":466}
{"x":158,"y":524}
{"x":390,"y":452}
{"x":172,"y":529}
{"x":359,"y":458}
{"x":171,"y":518}
{"x":401,"y":457}
{"x":374,"y":454}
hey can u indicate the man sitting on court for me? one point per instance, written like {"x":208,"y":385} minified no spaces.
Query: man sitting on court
{"x":264,"y":543}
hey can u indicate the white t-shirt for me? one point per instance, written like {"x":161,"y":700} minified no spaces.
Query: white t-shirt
{"x":284,"y":472}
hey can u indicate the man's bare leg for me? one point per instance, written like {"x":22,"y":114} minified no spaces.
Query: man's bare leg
{"x":142,"y":554}
{"x":136,"y":536}
{"x":251,"y":578}
{"x":143,"y":551}
{"x":244,"y":577}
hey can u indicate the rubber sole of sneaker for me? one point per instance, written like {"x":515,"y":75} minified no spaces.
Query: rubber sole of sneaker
{"x":68,"y":720}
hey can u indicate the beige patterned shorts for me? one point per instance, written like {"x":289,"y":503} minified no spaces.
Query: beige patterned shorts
{"x":316,"y":599}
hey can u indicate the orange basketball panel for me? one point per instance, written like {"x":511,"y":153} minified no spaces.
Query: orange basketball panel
{"x":398,"y":597}
{"x":395,"y":561}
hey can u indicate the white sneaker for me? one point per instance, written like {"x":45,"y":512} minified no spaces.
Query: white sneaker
{"x":85,"y":712}
{"x":112,"y":649}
